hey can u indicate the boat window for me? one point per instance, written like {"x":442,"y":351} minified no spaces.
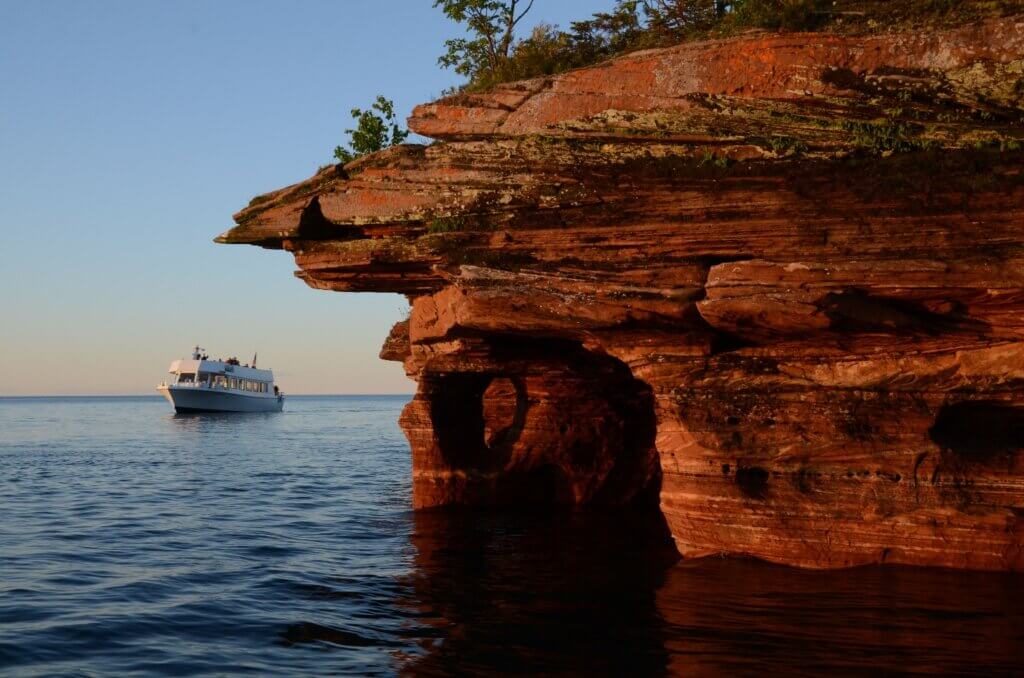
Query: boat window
{"x":186,"y":377}
{"x":204,"y":377}
{"x":234,"y":383}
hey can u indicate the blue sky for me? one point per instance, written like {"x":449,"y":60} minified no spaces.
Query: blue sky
{"x":131,"y":131}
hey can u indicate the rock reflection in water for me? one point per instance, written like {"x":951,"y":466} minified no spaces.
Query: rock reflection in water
{"x":599,"y":593}
{"x":742,"y":616}
{"x":536,"y":592}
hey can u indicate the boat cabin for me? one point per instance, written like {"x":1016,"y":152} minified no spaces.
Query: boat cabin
{"x":201,"y":372}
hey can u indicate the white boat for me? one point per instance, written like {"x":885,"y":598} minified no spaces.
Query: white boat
{"x":204,"y":385}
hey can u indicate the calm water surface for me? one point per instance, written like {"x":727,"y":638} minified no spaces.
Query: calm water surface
{"x":133,"y":541}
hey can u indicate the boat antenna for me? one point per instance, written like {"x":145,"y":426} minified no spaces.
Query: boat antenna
{"x":254,"y":361}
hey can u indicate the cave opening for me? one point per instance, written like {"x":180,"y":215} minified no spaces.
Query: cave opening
{"x":313,"y":225}
{"x":543,"y":423}
{"x":855,"y":310}
{"x":752,"y":481}
{"x":979,"y":432}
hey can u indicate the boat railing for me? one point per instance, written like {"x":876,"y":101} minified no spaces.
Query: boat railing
{"x":203,"y":384}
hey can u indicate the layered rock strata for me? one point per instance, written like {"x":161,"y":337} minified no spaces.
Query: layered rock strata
{"x":774,"y":284}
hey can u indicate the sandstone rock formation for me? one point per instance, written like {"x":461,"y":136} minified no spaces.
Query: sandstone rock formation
{"x":773,"y":283}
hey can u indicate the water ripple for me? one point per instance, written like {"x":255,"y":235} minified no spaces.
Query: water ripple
{"x":134,"y":542}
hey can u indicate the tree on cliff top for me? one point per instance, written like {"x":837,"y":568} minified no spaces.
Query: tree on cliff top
{"x":376,"y":129}
{"x":491,"y":54}
{"x":492,"y":23}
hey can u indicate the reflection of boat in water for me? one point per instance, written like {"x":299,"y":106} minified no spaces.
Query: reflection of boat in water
{"x":204,"y":385}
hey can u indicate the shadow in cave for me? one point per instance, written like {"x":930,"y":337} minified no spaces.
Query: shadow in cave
{"x":461,"y":421}
{"x":552,"y":424}
{"x":979,"y":432}
{"x":313,"y":225}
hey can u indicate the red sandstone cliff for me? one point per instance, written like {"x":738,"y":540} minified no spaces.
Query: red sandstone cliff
{"x":773,"y":283}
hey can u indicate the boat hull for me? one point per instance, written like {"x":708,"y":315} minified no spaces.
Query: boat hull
{"x":195,"y":400}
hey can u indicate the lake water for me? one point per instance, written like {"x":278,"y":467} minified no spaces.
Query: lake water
{"x":133,"y":541}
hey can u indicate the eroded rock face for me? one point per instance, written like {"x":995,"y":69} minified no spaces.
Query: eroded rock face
{"x":774,"y":284}
{"x":523,"y":421}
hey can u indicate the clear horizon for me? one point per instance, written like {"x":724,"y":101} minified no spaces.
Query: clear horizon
{"x":133,"y":131}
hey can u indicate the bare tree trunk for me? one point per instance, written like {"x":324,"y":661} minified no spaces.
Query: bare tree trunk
{"x":511,"y":21}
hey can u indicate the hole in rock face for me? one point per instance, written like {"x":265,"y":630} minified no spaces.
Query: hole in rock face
{"x":313,"y":225}
{"x":551,"y":423}
{"x":752,"y":481}
{"x":457,"y":414}
{"x":723,"y":342}
{"x":503,"y":409}
{"x":842,"y":78}
{"x":855,"y":310}
{"x":980,"y":432}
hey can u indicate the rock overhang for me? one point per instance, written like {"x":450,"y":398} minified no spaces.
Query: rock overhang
{"x":799,"y":258}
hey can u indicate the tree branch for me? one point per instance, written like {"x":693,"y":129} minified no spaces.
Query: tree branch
{"x":484,"y":24}
{"x":520,"y":17}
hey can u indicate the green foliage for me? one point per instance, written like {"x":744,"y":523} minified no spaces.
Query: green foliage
{"x":710,"y":159}
{"x":260,"y":199}
{"x":886,"y":136}
{"x":608,"y":33}
{"x":376,"y":129}
{"x":491,"y":54}
{"x":450,"y":224}
{"x":490,"y":25}
{"x":641,"y":24}
{"x":937,"y":7}
{"x":782,"y":145}
{"x":786,"y":15}
{"x":547,"y":51}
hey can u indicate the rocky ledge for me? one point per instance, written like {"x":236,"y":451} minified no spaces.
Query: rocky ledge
{"x":773,"y":284}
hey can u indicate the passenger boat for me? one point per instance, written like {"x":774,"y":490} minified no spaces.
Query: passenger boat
{"x":204,"y":385}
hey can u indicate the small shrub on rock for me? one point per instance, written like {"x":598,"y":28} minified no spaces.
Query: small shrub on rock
{"x":376,"y":129}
